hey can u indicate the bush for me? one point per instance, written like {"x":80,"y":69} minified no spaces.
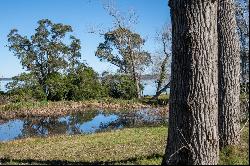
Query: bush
{"x":84,"y":84}
{"x":57,"y":87}
{"x":78,"y":84}
{"x":120,"y":86}
{"x":24,"y":88}
{"x":4,"y":98}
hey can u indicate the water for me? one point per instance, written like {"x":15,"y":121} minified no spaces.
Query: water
{"x":3,"y":84}
{"x":91,"y":121}
{"x":149,"y":87}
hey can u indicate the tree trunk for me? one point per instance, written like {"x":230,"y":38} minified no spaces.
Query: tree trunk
{"x":158,"y":93}
{"x":136,"y":80}
{"x":229,"y":75}
{"x":134,"y":74}
{"x":193,"y":115}
{"x":138,"y":89}
{"x":163,"y":73}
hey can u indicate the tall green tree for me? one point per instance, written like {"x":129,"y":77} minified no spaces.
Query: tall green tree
{"x":123,"y":48}
{"x":193,"y":117}
{"x":46,"y":52}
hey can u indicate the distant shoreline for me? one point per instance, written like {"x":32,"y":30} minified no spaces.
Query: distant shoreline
{"x":5,"y":79}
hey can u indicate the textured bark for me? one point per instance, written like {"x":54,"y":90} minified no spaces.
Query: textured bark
{"x":229,"y":74}
{"x":193,"y":117}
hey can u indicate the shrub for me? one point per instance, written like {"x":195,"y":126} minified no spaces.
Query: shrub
{"x":24,"y":87}
{"x":119,"y":86}
{"x":84,"y":84}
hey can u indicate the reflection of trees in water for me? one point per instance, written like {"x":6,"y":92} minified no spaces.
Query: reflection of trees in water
{"x":3,"y":121}
{"x":76,"y":120}
{"x":71,"y":124}
{"x":124,"y":120}
{"x":44,"y":126}
{"x":134,"y":119}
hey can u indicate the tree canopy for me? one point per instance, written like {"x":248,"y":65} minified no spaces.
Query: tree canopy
{"x":46,"y":51}
{"x":123,"y":48}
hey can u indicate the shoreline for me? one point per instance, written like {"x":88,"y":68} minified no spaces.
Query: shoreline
{"x":61,"y":108}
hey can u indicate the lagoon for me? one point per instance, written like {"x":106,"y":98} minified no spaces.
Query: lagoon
{"x":87,"y":122}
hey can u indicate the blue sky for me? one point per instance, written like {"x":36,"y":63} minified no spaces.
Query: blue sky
{"x":80,"y":14}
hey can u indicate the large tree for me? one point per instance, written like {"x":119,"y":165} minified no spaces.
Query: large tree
{"x":229,"y":74}
{"x":123,"y":48}
{"x":193,"y":116}
{"x":46,"y":52}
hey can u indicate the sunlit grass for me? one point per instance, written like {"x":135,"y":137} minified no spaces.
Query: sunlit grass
{"x":134,"y":146}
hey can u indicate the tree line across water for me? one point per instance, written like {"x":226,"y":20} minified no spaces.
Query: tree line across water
{"x":55,"y":71}
{"x":52,"y":56}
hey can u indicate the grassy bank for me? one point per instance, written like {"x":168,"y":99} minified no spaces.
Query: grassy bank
{"x":104,"y":102}
{"x":60,"y":108}
{"x":137,"y":145}
{"x":141,"y":146}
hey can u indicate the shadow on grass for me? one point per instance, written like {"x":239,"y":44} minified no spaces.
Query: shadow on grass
{"x":65,"y":162}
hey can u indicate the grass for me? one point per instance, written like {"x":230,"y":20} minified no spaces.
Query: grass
{"x":135,"y":145}
{"x":237,"y":155}
{"x":24,"y":105}
{"x":139,"y":146}
{"x":121,"y":102}
{"x":162,"y":100}
{"x":41,"y":104}
{"x":55,"y":109}
{"x":60,"y":108}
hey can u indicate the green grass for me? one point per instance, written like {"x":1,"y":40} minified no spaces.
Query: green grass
{"x":139,"y":146}
{"x":237,"y":155}
{"x":23,"y":105}
{"x":161,"y":101}
{"x":128,"y":146}
{"x":41,"y":104}
{"x":48,"y":108}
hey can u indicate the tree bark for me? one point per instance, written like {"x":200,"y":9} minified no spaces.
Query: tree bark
{"x":138,"y":89}
{"x":193,"y":115}
{"x":136,"y":79}
{"x":229,"y":74}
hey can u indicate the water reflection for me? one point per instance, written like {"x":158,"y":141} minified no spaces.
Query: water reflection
{"x":80,"y":123}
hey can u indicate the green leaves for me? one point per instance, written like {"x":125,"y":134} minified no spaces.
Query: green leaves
{"x":83,"y":83}
{"x":25,"y":87}
{"x":123,"y":48}
{"x":120,"y":86}
{"x":45,"y":52}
